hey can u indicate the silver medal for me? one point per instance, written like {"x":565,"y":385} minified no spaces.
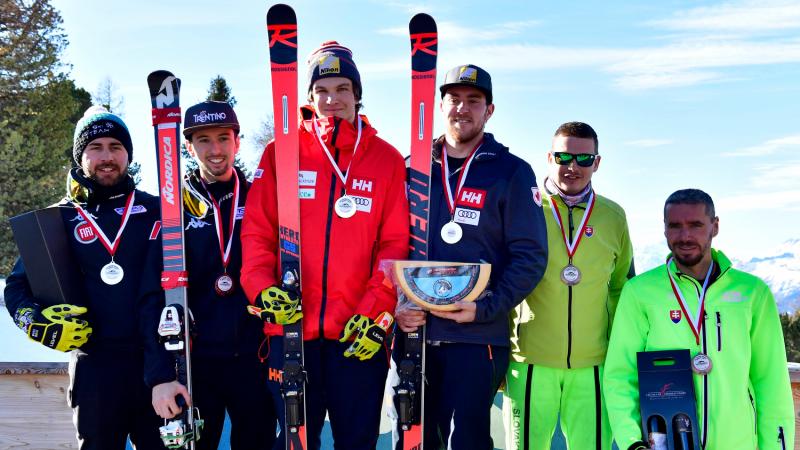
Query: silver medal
{"x":701,"y":364}
{"x":224,"y":284}
{"x":112,"y":273}
{"x":451,"y":232}
{"x":570,"y":275}
{"x":345,"y":207}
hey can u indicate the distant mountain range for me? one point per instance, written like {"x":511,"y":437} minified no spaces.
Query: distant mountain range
{"x":780,"y":268}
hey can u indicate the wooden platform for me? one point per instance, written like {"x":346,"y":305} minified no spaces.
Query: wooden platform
{"x":34,"y":412}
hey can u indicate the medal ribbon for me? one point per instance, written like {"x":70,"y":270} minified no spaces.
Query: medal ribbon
{"x":342,"y":176}
{"x":462,"y":177}
{"x":694,"y":322}
{"x":110,"y":246}
{"x":225,"y":252}
{"x":572,"y":247}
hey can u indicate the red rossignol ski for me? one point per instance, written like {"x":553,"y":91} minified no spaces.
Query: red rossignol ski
{"x":282,"y":30}
{"x":174,"y":326}
{"x":410,"y":392}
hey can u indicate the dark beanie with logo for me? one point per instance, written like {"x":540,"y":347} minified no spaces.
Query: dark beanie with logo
{"x":96,"y":123}
{"x":333,"y":60}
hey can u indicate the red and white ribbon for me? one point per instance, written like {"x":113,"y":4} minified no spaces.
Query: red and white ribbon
{"x":342,"y":176}
{"x":226,"y":251}
{"x":110,"y":246}
{"x":462,"y":177}
{"x":572,"y":246}
{"x":695,"y":322}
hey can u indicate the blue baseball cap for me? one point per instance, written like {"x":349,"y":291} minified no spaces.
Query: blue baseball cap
{"x":468,"y":75}
{"x":209,"y":114}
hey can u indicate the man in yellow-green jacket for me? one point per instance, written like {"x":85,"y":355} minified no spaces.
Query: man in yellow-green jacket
{"x":560,"y":332}
{"x":729,"y":322}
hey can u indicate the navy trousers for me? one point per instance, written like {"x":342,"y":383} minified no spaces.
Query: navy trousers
{"x":349,"y":390}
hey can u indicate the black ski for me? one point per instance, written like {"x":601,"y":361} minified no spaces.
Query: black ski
{"x":410,"y":392}
{"x":173,"y":328}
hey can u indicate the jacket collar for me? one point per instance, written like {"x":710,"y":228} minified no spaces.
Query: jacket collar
{"x":195,"y":197}
{"x":491,"y":149}
{"x":81,"y":189}
{"x":717,"y":256}
{"x":336,"y":133}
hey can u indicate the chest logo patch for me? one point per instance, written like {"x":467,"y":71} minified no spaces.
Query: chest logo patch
{"x":307,"y":178}
{"x":733,"y":297}
{"x":364,"y":185}
{"x":472,"y":198}
{"x":363,"y":204}
{"x":84,"y":233}
{"x":197,"y":223}
{"x":589,"y":232}
{"x":467,"y":216}
{"x":675,"y":315}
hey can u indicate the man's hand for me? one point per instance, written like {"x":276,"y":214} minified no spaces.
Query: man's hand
{"x":277,"y":306}
{"x":57,"y":326}
{"x":370,"y":335}
{"x":409,"y":319}
{"x":464,"y":314}
{"x":164,"y":399}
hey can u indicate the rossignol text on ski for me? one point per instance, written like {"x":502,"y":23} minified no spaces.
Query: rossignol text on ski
{"x":409,"y":393}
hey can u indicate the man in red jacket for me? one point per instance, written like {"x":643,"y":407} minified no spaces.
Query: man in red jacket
{"x":344,"y":296}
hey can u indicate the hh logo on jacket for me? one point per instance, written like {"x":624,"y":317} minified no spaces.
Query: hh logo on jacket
{"x":472,"y":198}
{"x":364,"y":185}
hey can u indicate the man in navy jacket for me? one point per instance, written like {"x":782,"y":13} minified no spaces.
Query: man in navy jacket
{"x":485,"y":207}
{"x":113,"y":231}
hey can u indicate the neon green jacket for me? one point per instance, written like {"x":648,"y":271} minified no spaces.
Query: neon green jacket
{"x":746,"y":399}
{"x":564,"y":326}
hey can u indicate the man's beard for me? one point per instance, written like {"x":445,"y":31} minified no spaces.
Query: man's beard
{"x":463,"y":136}
{"x":690,"y":261}
{"x":108,"y":180}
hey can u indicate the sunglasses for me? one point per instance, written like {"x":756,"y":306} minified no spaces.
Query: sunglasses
{"x":582,"y":159}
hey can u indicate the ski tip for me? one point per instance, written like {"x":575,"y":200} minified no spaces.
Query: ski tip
{"x":281,"y":14}
{"x":422,"y":23}
{"x":164,"y":88}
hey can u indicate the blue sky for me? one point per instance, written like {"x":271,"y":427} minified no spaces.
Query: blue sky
{"x":682,"y":93}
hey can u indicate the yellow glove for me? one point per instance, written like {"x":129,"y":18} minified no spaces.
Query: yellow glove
{"x":56,"y":326}
{"x":370,"y":337}
{"x":277,"y":306}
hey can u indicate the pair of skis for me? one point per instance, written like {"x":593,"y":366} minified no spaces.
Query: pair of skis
{"x":282,"y":31}
{"x":174,"y":326}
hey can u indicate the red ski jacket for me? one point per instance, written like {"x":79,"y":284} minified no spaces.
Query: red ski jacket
{"x":339,"y":257}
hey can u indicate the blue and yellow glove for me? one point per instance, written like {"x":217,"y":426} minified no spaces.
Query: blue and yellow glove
{"x":57,"y":326}
{"x":370,"y":337}
{"x":277,"y":306}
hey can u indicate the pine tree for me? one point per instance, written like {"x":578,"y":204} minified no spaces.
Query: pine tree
{"x":38,"y":109}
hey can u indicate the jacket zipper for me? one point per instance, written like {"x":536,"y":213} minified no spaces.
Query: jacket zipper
{"x":753,"y":406}
{"x":569,"y":298}
{"x":328,"y":224}
{"x":719,"y":332}
{"x":704,"y":434}
{"x":781,"y":438}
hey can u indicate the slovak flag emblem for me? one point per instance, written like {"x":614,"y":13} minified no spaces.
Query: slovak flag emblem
{"x":675,"y":315}
{"x":589,"y":231}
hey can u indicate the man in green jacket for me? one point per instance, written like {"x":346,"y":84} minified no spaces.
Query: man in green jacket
{"x":729,"y":322}
{"x":560,"y":332}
